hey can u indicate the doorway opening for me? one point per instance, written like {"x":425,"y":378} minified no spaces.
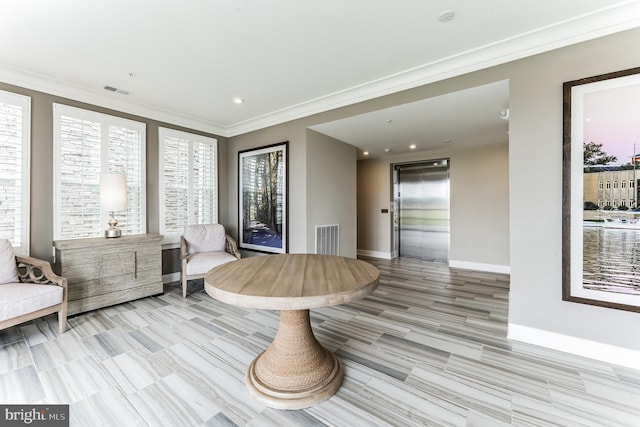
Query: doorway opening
{"x":421,"y":216}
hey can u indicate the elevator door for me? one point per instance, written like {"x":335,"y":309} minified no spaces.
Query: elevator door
{"x":422,"y":198}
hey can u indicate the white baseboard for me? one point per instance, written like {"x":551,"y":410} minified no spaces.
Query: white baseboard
{"x":171,"y":277}
{"x":374,"y":254}
{"x":478,"y":266}
{"x":581,"y":347}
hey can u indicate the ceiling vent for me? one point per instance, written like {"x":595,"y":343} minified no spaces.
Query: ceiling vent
{"x":116,"y":90}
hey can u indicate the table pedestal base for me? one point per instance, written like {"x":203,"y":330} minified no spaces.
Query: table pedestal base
{"x":295,"y":372}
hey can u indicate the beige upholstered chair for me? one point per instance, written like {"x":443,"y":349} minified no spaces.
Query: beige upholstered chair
{"x":29,"y":289}
{"x":203,"y":247}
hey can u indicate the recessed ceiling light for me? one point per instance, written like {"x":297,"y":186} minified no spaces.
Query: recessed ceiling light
{"x":446,"y":16}
{"x":386,"y":150}
{"x":366,"y":153}
{"x":412,"y":146}
{"x":238,"y":100}
{"x":448,"y":140}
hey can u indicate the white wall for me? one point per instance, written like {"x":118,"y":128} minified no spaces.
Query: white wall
{"x":331,"y":189}
{"x":479,"y":203}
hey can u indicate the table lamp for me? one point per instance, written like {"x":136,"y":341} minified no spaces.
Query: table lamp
{"x":113,"y":197}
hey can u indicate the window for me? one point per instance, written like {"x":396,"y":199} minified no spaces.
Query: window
{"x":188,"y":182}
{"x":600,"y":204}
{"x":631,"y":184}
{"x":608,"y":185}
{"x":87,"y":144}
{"x":623,"y":184}
{"x":615,"y":184}
{"x":623,"y":202}
{"x":600,"y":186}
{"x":15,"y":123}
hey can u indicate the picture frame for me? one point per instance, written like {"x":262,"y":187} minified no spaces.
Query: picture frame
{"x":263,"y":198}
{"x":600,"y":195}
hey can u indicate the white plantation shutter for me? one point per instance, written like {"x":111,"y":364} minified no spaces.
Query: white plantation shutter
{"x":188,"y":182}
{"x":15,"y":116}
{"x":127,"y":155}
{"x":86,"y":145}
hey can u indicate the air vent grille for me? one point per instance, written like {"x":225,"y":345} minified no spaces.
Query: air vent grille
{"x":116,"y":90}
{"x":328,"y":239}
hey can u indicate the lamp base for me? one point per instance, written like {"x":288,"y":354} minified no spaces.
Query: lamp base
{"x":112,"y":232}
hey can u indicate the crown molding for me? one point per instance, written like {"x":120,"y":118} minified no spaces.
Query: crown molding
{"x":62,"y":89}
{"x":620,"y":17}
{"x":582,"y":28}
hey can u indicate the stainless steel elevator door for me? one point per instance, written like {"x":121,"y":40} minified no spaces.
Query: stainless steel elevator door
{"x":423,"y":210}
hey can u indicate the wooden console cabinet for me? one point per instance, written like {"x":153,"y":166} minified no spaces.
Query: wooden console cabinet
{"x":102,"y":272}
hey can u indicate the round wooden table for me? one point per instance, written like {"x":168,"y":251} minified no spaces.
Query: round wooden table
{"x":295,"y":372}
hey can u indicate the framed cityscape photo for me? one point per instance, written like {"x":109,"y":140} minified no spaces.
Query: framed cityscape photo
{"x":601,"y":211}
{"x":262,"y":198}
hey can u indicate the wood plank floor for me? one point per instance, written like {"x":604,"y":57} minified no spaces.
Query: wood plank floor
{"x":427,"y":348}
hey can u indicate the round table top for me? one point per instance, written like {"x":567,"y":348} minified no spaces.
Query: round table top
{"x":291,"y":281}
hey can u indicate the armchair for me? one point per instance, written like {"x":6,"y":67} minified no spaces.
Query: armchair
{"x":29,"y":289}
{"x":203,"y":247}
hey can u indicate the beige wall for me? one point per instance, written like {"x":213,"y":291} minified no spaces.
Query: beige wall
{"x":297,"y":178}
{"x":321,"y":170}
{"x":479,"y":203}
{"x":480,"y":206}
{"x":374,"y":195}
{"x":535,"y":156}
{"x":331,"y":189}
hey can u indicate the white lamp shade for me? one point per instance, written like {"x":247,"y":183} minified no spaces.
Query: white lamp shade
{"x":113,"y":192}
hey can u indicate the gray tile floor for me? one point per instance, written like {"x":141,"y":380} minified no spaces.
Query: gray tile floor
{"x":427,"y":348}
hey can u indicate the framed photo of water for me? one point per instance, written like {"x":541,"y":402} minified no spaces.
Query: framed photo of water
{"x":262,"y":198}
{"x":600,"y":200}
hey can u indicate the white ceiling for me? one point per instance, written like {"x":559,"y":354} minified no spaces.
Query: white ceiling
{"x":183,"y":62}
{"x":457,"y":120}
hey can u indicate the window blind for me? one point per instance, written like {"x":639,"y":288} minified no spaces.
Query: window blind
{"x":88,"y":144}
{"x":188,"y":182}
{"x":15,"y":115}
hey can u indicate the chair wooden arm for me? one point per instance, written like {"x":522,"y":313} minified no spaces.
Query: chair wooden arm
{"x":35,"y":270}
{"x":232,"y":246}
{"x":183,"y":248}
